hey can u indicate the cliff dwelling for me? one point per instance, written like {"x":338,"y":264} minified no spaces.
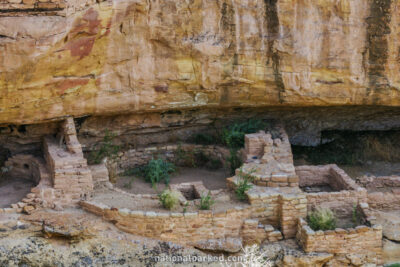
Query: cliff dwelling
{"x":199,"y":133}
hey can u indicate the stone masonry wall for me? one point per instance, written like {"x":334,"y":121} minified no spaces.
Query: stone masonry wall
{"x":276,"y":206}
{"x":383,"y":192}
{"x":270,"y":160}
{"x":184,"y":228}
{"x":363,"y":241}
{"x":348,"y":192}
{"x":141,"y":156}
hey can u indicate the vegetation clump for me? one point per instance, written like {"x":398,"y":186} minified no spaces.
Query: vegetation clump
{"x":206,"y":202}
{"x":244,"y":184}
{"x":156,"y":171}
{"x":168,"y":199}
{"x":233,"y":138}
{"x":107,"y":149}
{"x":322,"y":219}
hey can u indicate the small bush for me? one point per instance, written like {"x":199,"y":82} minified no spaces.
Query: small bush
{"x":206,"y":202}
{"x":244,"y":184}
{"x":168,"y":199}
{"x":393,"y":265}
{"x":157,"y":170}
{"x":234,"y":160}
{"x":107,"y":149}
{"x":233,"y":136}
{"x":242,"y":188}
{"x":322,"y":219}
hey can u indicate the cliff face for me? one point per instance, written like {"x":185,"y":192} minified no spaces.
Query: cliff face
{"x":129,"y":56}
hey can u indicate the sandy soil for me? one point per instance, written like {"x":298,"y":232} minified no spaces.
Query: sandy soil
{"x":372,"y":168}
{"x":317,"y":189}
{"x":118,"y":200}
{"x":212,"y":180}
{"x":13,"y":190}
{"x":375,"y":168}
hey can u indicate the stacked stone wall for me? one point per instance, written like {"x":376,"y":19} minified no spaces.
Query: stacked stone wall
{"x":138,"y":157}
{"x":269,"y":160}
{"x":184,"y":228}
{"x":363,"y":241}
{"x":347,"y":194}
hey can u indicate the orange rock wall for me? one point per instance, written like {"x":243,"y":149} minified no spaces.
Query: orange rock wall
{"x":143,"y":56}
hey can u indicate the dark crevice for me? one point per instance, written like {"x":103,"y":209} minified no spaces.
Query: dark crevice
{"x":377,"y":44}
{"x":271,"y":15}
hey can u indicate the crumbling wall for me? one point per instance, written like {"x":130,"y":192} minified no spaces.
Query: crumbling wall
{"x":348,"y":192}
{"x":362,"y":241}
{"x":269,"y":160}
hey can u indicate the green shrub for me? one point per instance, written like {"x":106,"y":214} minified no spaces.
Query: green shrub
{"x":233,"y":136}
{"x":393,"y":265}
{"x":168,"y":199}
{"x":158,"y":170}
{"x":322,"y":219}
{"x":242,"y":188}
{"x":244,"y":184}
{"x":107,"y":149}
{"x":234,"y":160}
{"x":206,"y":202}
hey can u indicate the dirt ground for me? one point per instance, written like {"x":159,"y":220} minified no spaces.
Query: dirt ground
{"x":373,"y":168}
{"x":13,"y":190}
{"x":117,"y":200}
{"x":213,"y":180}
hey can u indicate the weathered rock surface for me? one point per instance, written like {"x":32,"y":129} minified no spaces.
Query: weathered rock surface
{"x":391,"y":251}
{"x":144,"y":56}
{"x":390,"y":222}
{"x":230,"y":245}
{"x":21,"y":245}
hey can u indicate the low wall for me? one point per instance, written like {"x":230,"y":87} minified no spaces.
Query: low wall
{"x":183,"y":228}
{"x":363,"y":241}
{"x":383,"y":192}
{"x":384,"y":200}
{"x":278,"y":206}
{"x":348,"y":192}
{"x":137,"y":157}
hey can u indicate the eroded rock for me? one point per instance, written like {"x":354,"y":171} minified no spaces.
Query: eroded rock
{"x":229,"y":244}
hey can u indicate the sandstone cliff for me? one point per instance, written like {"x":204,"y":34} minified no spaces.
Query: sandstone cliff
{"x":138,"y":56}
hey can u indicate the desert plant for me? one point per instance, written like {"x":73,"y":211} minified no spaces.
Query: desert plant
{"x":155,"y":171}
{"x":107,"y":149}
{"x":393,"y":265}
{"x":206,"y":202}
{"x":158,"y":170}
{"x":234,"y":160}
{"x":242,"y":188}
{"x":244,"y":184}
{"x":322,"y":219}
{"x":168,"y":199}
{"x":233,"y":136}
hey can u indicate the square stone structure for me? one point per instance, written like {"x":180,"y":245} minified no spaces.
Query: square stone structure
{"x":269,"y":159}
{"x":346,"y":193}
